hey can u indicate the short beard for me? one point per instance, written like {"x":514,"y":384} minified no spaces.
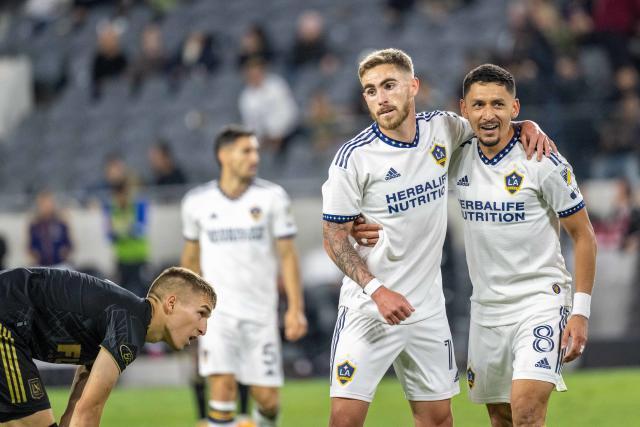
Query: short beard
{"x":403,"y":113}
{"x":490,"y":143}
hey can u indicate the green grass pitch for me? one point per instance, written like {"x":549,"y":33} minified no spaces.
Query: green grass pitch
{"x":595,"y":399}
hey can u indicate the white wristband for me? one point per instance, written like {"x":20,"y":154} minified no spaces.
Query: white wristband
{"x":581,"y":304}
{"x":372,"y":286}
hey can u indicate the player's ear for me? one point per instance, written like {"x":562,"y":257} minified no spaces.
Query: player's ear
{"x":516,"y":108}
{"x":463,"y":108}
{"x":170,"y":303}
{"x":415,"y":86}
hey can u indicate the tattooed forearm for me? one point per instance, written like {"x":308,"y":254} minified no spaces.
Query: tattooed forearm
{"x":341,"y":251}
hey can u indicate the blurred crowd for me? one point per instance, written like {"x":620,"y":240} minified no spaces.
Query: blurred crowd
{"x":576,"y":65}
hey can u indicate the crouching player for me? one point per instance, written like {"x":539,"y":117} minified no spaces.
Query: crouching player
{"x":69,"y":317}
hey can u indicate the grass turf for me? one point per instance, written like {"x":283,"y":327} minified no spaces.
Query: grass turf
{"x":595,"y":398}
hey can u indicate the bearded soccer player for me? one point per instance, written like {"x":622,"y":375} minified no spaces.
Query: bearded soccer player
{"x":64,"y":316}
{"x":392,"y":311}
{"x":524,"y":325}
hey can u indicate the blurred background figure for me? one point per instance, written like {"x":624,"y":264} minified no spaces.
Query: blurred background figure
{"x":164,"y":168}
{"x":152,"y":60}
{"x":267,"y":107}
{"x":126,"y":216}
{"x":109,"y":61}
{"x":255,"y":43}
{"x":310,"y":46}
{"x":198,"y":55}
{"x":50,"y":243}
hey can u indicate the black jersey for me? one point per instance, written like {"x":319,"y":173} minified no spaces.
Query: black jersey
{"x":65,"y":316}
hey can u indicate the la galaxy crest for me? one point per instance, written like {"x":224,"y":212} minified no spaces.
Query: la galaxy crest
{"x":256,"y":213}
{"x":471,"y":377}
{"x":513,"y":182}
{"x":345,"y":372}
{"x":439,"y":153}
{"x":566,"y":175}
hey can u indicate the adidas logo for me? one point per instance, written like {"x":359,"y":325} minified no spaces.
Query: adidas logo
{"x":391,"y":174}
{"x":544,"y":363}
{"x":464,"y":181}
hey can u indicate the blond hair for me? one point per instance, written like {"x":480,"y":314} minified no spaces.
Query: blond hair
{"x":393,"y":56}
{"x":176,"y":279}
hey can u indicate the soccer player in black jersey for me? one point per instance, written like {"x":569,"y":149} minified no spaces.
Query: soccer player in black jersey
{"x":68,"y":317}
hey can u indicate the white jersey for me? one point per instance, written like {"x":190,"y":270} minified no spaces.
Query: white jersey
{"x":402,"y":187}
{"x":237,"y":244}
{"x":510,"y":206}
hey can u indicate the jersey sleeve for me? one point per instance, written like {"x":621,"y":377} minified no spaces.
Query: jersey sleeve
{"x":341,"y":196}
{"x":124,"y":337}
{"x":283,"y":225}
{"x":560,"y":188}
{"x":190,"y":229}
{"x":459,"y":128}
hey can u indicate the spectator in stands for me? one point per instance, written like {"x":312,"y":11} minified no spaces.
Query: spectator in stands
{"x":49,"y":234}
{"x":311,"y":47}
{"x":255,"y":43}
{"x":163,"y":165}
{"x":618,"y":146}
{"x":267,"y":106}
{"x":109,"y":60}
{"x":152,"y":59}
{"x":612,"y":226}
{"x":197,"y":55}
{"x":127,"y":215}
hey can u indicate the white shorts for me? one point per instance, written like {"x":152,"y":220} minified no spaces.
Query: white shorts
{"x":422,"y":355}
{"x":249,"y":350}
{"x":529,"y":349}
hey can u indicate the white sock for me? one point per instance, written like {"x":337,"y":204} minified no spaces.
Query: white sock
{"x":221,"y":413}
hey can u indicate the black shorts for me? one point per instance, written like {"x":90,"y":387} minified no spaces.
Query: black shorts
{"x":21,"y":390}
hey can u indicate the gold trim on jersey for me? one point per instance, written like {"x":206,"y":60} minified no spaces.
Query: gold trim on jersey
{"x":11,"y":366}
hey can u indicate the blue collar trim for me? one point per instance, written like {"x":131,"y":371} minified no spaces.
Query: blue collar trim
{"x":496,"y":159}
{"x":395,"y":143}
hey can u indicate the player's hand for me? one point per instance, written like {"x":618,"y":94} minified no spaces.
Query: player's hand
{"x":576,"y":329}
{"x":393,"y":306}
{"x":534,"y":139}
{"x":295,"y":325}
{"x":365,"y":234}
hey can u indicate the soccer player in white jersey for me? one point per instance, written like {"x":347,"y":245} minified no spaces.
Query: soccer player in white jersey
{"x":239,"y":232}
{"x":392,"y":309}
{"x":513,"y":209}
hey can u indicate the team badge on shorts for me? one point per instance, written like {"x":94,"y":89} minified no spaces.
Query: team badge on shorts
{"x":471,"y":377}
{"x":256,"y":213}
{"x":35,"y":388}
{"x":439,"y":153}
{"x":556,"y":288}
{"x":126,"y":354}
{"x":513,"y":182}
{"x":344,"y":372}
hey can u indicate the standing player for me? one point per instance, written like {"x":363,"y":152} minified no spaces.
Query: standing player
{"x":62,"y":316}
{"x":392,"y":308}
{"x":238,"y":231}
{"x":512,"y":210}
